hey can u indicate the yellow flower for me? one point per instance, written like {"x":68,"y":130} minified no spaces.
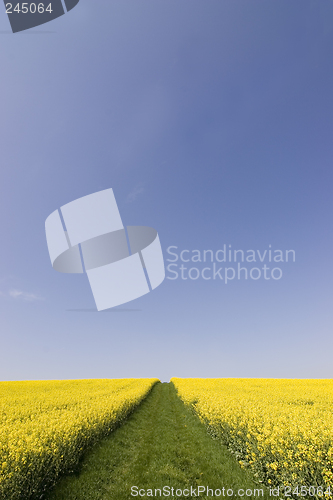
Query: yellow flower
{"x":54,"y":421}
{"x":282,"y":429}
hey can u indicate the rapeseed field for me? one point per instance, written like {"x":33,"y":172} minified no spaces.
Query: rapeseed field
{"x":45,"y":426}
{"x":280,"y":429}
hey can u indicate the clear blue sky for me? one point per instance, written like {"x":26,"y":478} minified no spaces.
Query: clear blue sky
{"x":212,"y":122}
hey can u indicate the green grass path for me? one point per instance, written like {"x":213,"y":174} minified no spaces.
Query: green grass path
{"x":161,"y":444}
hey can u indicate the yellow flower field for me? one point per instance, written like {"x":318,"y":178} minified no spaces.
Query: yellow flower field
{"x":46,"y":425}
{"x":281,"y":429}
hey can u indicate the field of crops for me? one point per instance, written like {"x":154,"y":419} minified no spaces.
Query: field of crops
{"x":282,"y":430}
{"x":46,"y":426}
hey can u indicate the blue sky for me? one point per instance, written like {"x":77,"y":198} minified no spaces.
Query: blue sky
{"x":212,"y":122}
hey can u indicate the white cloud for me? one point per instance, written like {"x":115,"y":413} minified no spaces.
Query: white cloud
{"x":132,"y":196}
{"x":27,"y":296}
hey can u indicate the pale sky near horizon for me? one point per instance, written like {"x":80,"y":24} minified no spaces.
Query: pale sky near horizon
{"x":212,"y":122}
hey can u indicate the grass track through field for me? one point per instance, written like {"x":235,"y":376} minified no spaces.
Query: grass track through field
{"x":162,"y":444}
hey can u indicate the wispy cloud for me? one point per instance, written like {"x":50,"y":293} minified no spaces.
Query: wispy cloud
{"x":133,"y":195}
{"x":27,"y":296}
